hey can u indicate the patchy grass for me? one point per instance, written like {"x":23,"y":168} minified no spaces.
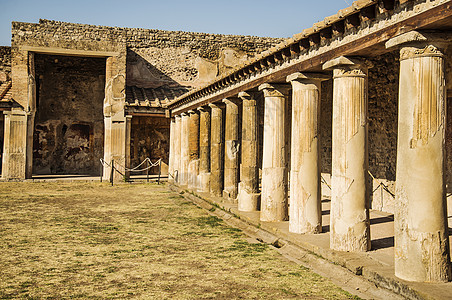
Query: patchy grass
{"x":91,"y":240}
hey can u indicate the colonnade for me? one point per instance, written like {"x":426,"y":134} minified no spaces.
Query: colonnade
{"x":229,"y":155}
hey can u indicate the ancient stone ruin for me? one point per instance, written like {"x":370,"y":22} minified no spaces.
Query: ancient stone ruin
{"x":354,"y":108}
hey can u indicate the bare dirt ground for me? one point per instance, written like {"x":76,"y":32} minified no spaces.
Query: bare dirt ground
{"x":90,"y":240}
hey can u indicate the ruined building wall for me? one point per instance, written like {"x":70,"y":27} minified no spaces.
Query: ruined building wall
{"x":69,"y":124}
{"x":184,"y":59}
{"x":5,"y":64}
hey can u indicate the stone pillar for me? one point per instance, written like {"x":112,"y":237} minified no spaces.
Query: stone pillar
{"x":274,"y":162}
{"x":117,"y":127}
{"x":420,"y":223}
{"x":117,"y":139}
{"x":249,"y":196}
{"x":14,"y":145}
{"x":349,"y":225}
{"x":231,"y":150}
{"x":171,"y":151}
{"x":19,"y":122}
{"x":305,"y":213}
{"x":204,"y":150}
{"x":177,"y":151}
{"x":184,"y":149}
{"x":193,"y":167}
{"x":216,"y":150}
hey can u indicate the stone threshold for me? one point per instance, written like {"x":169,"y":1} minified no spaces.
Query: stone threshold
{"x":375,"y":266}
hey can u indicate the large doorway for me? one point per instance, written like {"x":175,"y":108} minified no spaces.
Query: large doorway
{"x":69,"y":124}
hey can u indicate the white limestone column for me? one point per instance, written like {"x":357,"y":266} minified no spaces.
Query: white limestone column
{"x":274,"y":205}
{"x":420,"y":222}
{"x":184,"y":149}
{"x":171,"y":150}
{"x":305,"y":213}
{"x":349,"y":225}
{"x":249,"y":196}
{"x":231,"y":150}
{"x":204,"y":150}
{"x":177,"y":150}
{"x":216,"y":150}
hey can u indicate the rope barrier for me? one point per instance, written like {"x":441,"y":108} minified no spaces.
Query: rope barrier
{"x":151,"y":165}
{"x":381,"y":185}
{"x":324,"y":181}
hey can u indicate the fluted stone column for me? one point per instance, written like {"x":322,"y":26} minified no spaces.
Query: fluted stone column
{"x":184,"y":149}
{"x":193,"y":167}
{"x":171,"y":150}
{"x":349,"y":225}
{"x":204,"y":150}
{"x":177,"y":152}
{"x":274,"y":203}
{"x":249,"y":195}
{"x":216,"y":150}
{"x":420,"y":223}
{"x":305,"y":213}
{"x":231,"y":150}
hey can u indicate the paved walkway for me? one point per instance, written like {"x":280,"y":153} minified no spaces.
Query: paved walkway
{"x":376,"y":265}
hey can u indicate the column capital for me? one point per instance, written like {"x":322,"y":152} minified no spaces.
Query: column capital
{"x":177,"y":117}
{"x":274,"y":89}
{"x":348,"y":66}
{"x":305,"y":76}
{"x":216,"y":105}
{"x":420,"y":43}
{"x":190,"y":112}
{"x":230,"y":101}
{"x":202,"y":108}
{"x":247,"y":95}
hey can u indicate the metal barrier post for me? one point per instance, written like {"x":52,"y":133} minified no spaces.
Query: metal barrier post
{"x":160,"y":170}
{"x":112,"y":171}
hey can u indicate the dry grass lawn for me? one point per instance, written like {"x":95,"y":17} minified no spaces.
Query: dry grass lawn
{"x":91,"y":240}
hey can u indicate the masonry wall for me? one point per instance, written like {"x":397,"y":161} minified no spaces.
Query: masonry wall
{"x":5,"y":63}
{"x":69,"y":124}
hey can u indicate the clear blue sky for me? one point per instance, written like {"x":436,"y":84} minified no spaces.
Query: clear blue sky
{"x":273,"y":18}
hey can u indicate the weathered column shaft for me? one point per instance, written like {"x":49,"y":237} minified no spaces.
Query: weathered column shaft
{"x":177,"y":150}
{"x":349,"y":225}
{"x":274,"y":203}
{"x":305,"y":213}
{"x":204,"y":149}
{"x":231,"y":150}
{"x":193,"y":168}
{"x":249,"y":196}
{"x":420,"y":223}
{"x":216,"y":150}
{"x":117,"y":137}
{"x":15,"y":143}
{"x":184,"y":149}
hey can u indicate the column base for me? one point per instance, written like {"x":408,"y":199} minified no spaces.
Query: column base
{"x":193,"y":170}
{"x":248,"y":201}
{"x":204,"y":183}
{"x":230,"y":195}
